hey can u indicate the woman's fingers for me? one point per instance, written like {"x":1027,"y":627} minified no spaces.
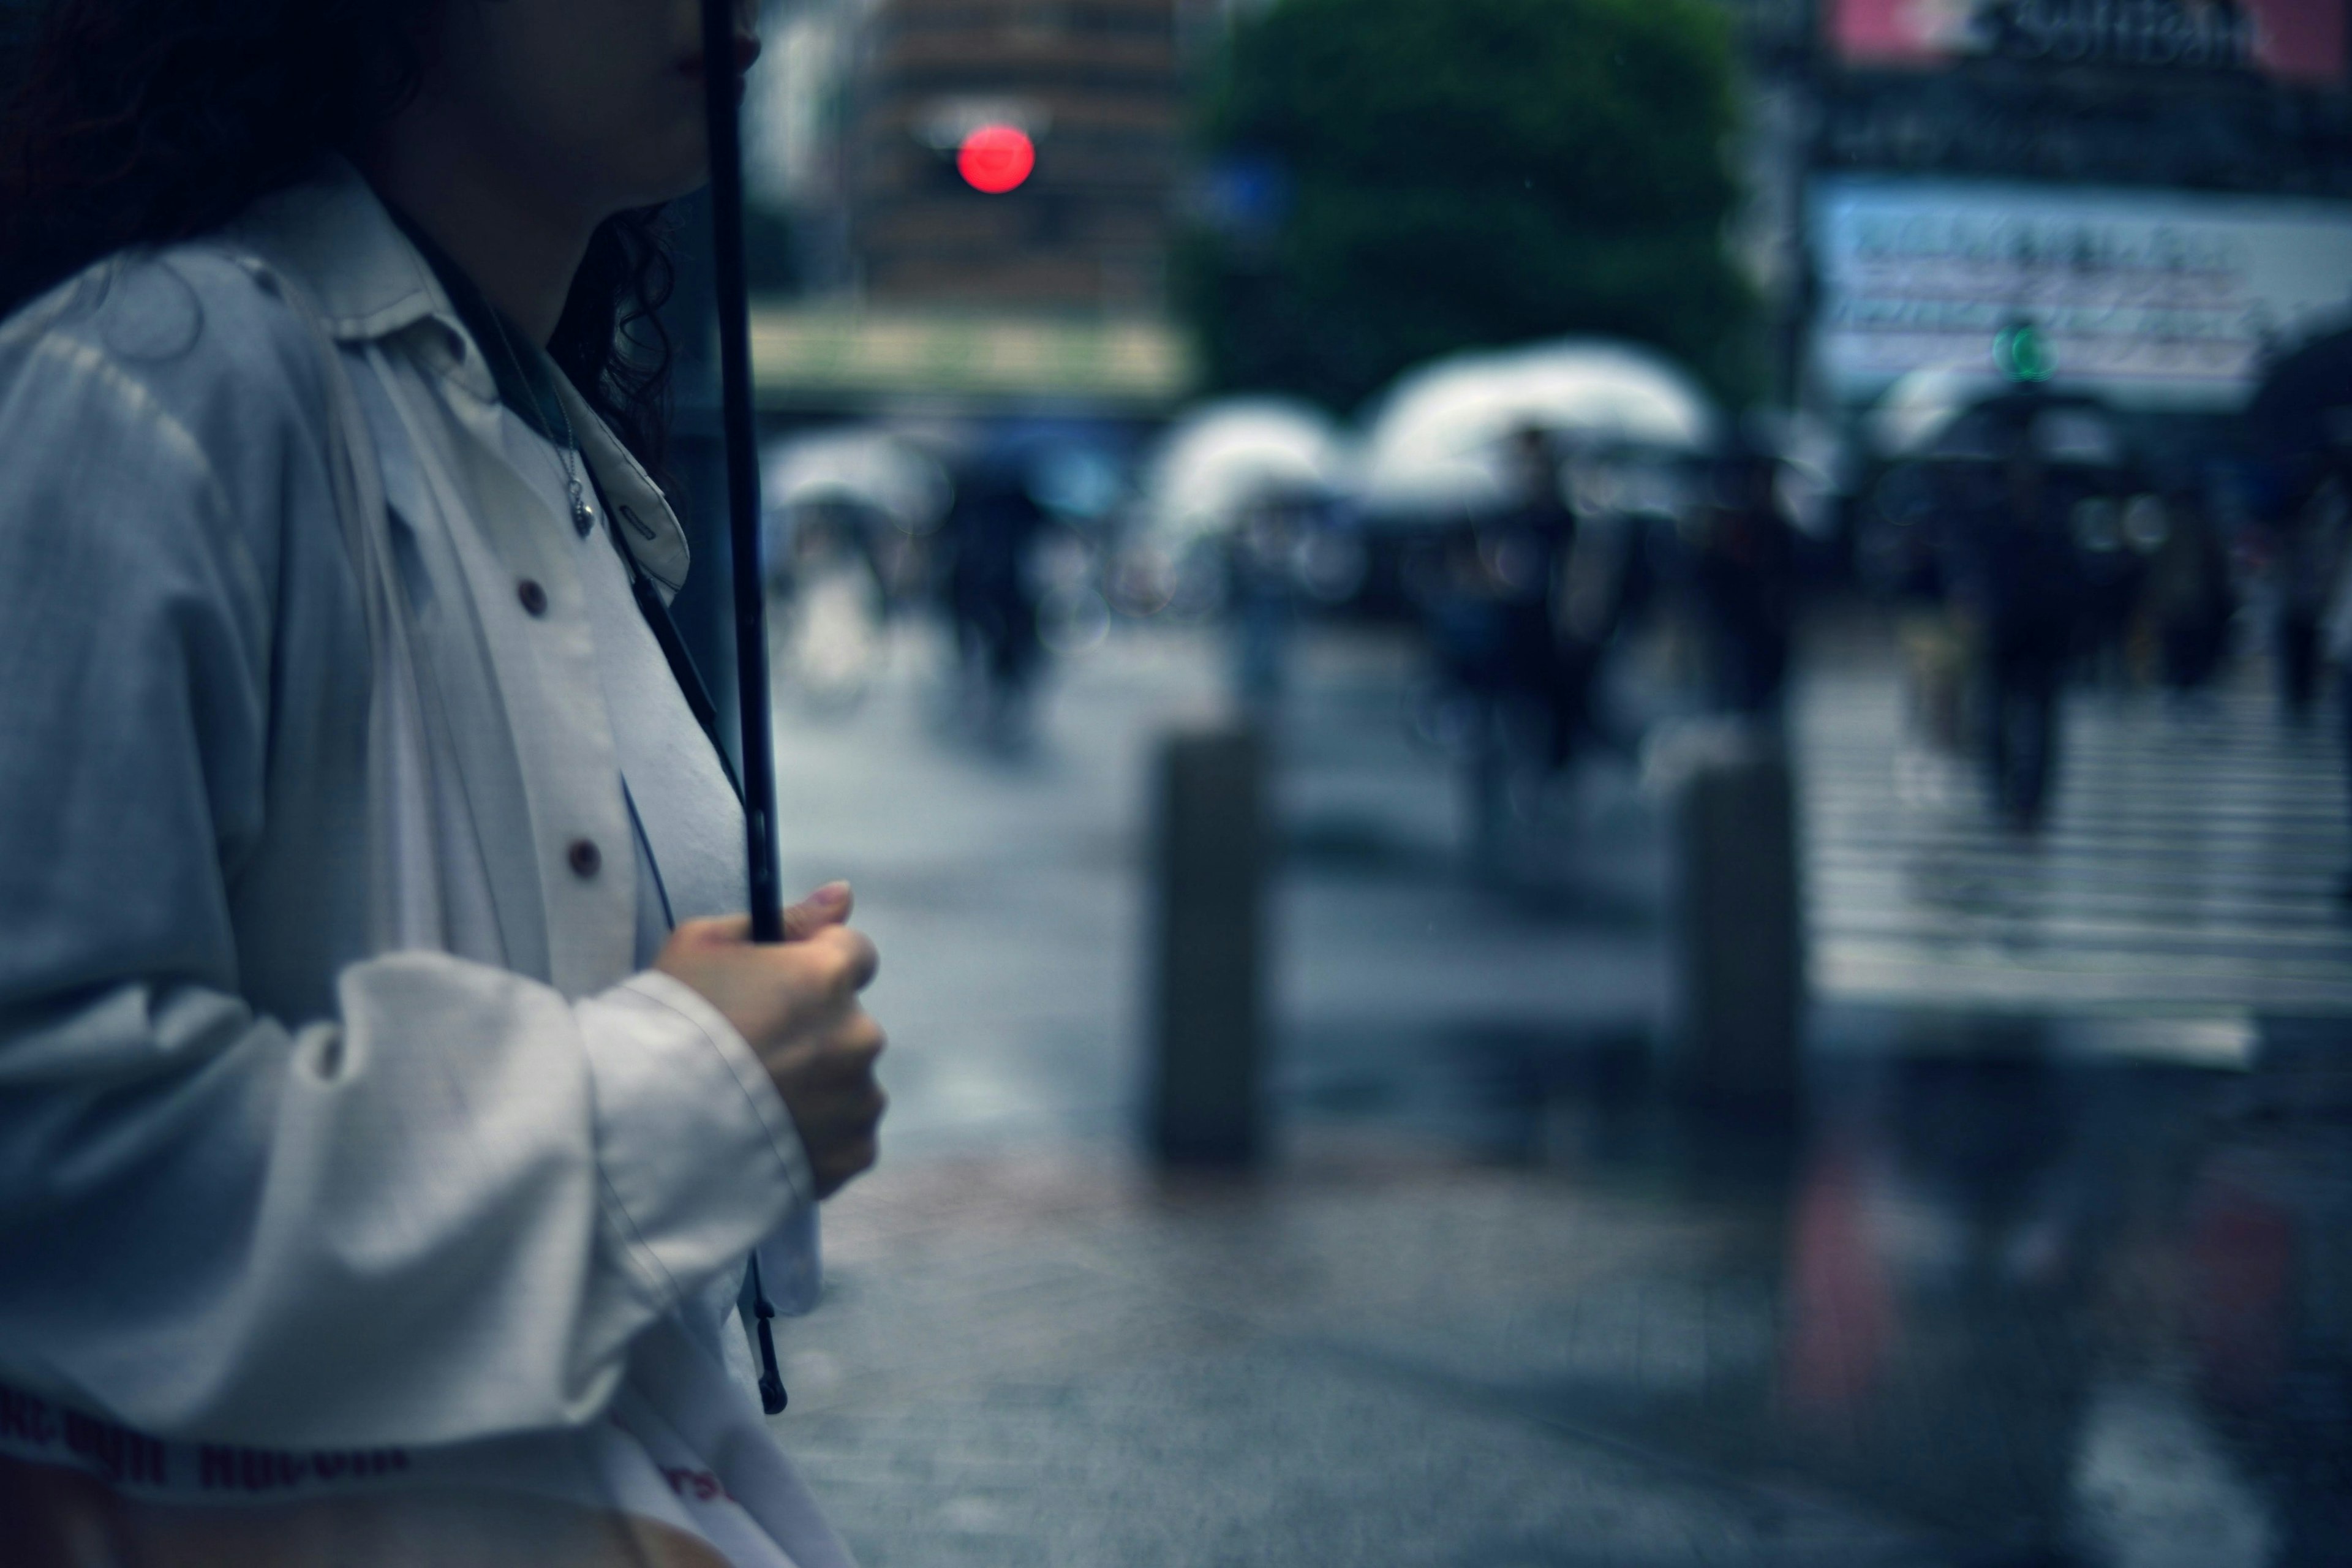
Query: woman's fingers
{"x":837,"y":961}
{"x":796,"y":1004}
{"x":838,"y":1105}
{"x":850,"y":1052}
{"x":726,"y":930}
{"x":842,"y":1164}
{"x":828,"y":905}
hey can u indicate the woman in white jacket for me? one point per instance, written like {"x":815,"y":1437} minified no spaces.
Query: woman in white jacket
{"x":382,"y":1131}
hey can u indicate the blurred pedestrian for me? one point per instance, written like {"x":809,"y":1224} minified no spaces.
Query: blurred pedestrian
{"x":2338,"y":633}
{"x":1526,"y":552}
{"x":2190,"y":600}
{"x":1262,"y":596}
{"x":990,"y":538}
{"x":2115,"y":581}
{"x":2304,"y":548}
{"x":1746,"y":574}
{"x":2017,"y":581}
{"x":833,"y":632}
{"x":1493,"y":595}
{"x":382,"y":1142}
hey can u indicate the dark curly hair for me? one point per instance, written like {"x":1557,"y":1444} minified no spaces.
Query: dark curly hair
{"x":146,"y":121}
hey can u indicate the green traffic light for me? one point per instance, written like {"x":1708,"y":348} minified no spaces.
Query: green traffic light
{"x":2023,"y":355}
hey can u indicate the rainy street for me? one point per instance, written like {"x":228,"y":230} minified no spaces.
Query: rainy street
{"x":2051,"y":1270}
{"x":1787,"y":1003}
{"x":1594,"y":758}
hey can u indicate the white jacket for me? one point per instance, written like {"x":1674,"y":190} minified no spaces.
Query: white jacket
{"x":333,"y":1125}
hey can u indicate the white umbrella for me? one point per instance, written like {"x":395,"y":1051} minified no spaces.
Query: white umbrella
{"x":860,"y":466}
{"x":1224,"y":456}
{"x":1439,"y":441}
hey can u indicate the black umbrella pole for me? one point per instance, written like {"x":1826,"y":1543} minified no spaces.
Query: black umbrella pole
{"x":719,"y":78}
{"x":721,"y":101}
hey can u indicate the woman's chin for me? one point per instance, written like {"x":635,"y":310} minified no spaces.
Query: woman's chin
{"x":682,"y":169}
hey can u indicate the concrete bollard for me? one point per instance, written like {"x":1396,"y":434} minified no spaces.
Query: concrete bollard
{"x":1208,"y":1022}
{"x":1740,"y":918}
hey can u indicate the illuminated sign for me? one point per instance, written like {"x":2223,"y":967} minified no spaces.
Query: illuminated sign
{"x":827,"y":357}
{"x":2155,"y":299}
{"x":2292,"y":40}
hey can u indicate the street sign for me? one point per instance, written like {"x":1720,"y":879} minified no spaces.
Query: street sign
{"x":2289,"y":40}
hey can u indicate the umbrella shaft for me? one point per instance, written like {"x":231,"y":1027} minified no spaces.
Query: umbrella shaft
{"x":743,"y":467}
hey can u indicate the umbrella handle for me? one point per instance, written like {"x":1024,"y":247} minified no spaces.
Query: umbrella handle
{"x":740,"y":426}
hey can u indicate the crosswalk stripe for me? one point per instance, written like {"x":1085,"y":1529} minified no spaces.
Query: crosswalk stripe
{"x":2189,"y":862}
{"x":2048,"y":931}
{"x":1899,"y":979}
{"x":1878,"y":895}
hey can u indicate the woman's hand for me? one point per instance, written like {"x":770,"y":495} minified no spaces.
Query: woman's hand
{"x":797,"y":1005}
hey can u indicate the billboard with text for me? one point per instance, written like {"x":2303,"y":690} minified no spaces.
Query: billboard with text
{"x":2301,"y":41}
{"x":2154,"y":299}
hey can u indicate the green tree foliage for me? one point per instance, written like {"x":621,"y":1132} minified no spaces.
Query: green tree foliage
{"x":1469,"y":173}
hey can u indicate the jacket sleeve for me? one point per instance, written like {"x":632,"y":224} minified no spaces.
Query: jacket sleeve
{"x":441,"y":1214}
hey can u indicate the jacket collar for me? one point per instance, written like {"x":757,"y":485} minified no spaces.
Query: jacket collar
{"x":331,"y":233}
{"x":333,"y":237}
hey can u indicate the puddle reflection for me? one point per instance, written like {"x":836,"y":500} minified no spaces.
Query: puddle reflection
{"x":2059,"y":1308}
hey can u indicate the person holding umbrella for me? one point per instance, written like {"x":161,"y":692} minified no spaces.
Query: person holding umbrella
{"x":393,"y":1095}
{"x":1746,"y":574}
{"x":2015,"y":574}
{"x":2337,"y":631}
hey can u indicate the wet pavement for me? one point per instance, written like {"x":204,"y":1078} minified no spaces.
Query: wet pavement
{"x":2049,"y":1271}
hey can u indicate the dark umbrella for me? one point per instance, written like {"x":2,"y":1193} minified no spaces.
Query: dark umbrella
{"x":767,"y":906}
{"x":2066,"y":429}
{"x":2303,"y":407}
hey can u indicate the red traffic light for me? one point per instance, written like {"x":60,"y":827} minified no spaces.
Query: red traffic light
{"x":996,"y":159}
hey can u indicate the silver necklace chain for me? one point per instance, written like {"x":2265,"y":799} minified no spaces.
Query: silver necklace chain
{"x":584,"y":517}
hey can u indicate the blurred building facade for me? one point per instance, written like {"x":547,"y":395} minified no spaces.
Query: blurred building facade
{"x":913,"y":279}
{"x":2165,"y":186}
{"x":1093,"y":83}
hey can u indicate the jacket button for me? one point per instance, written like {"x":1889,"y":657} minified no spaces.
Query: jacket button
{"x":585,"y":857}
{"x":533,"y":596}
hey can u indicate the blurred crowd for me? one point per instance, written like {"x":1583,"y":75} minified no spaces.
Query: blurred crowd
{"x":1535,"y":518}
{"x":2038,"y":542}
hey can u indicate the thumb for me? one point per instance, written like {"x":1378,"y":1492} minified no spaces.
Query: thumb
{"x":828,"y":905}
